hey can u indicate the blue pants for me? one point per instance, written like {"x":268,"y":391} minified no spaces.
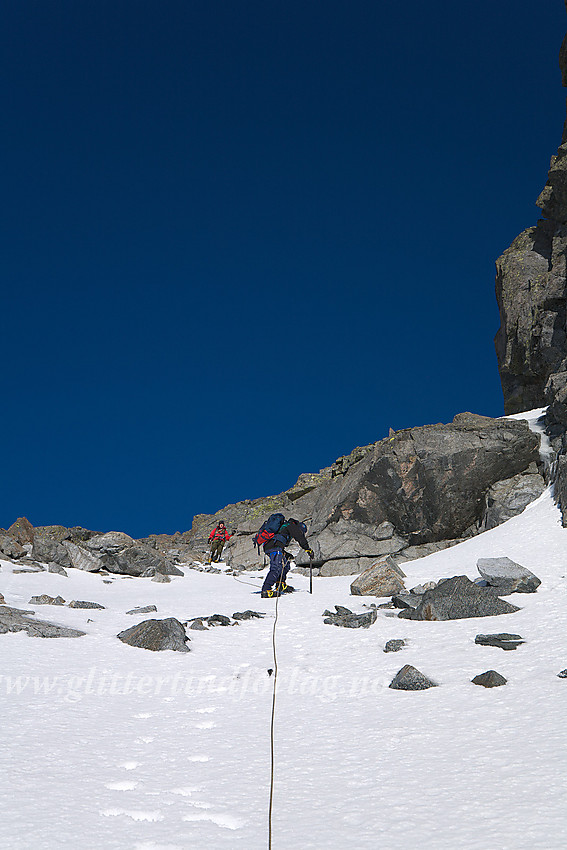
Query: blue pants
{"x":279,"y":568}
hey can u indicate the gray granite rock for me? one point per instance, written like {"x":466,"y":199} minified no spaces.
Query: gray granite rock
{"x":10,"y":548}
{"x":406,"y":600}
{"x":347,"y":619}
{"x":490,"y":679}
{"x":394,"y":645}
{"x":507,"y":575}
{"x":77,"y":603}
{"x":58,"y":569}
{"x":47,"y":550}
{"x":81,"y":558}
{"x":199,"y":626}
{"x":156,"y":635}
{"x":510,"y":497}
{"x":16,"y":620}
{"x":411,"y":679}
{"x":383,"y":578}
{"x":458,"y":598}
{"x":147,"y":609}
{"x":44,"y":599}
{"x":218,"y":620}
{"x":247,"y":615}
{"x":161,"y":578}
{"x":502,"y":640}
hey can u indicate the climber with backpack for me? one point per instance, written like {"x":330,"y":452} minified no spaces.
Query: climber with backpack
{"x":217,"y":539}
{"x":275,"y":534}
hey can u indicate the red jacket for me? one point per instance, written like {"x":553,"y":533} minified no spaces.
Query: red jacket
{"x":219,"y":534}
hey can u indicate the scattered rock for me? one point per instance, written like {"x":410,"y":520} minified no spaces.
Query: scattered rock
{"x":347,"y":619}
{"x":146,"y":610}
{"x":420,"y":589}
{"x":508,"y":576}
{"x":119,"y":553}
{"x":394,"y":645}
{"x":247,"y":615}
{"x":79,"y":604}
{"x":458,"y":598}
{"x":503,"y":640}
{"x":44,"y":599}
{"x":218,"y":620}
{"x":198,"y":625}
{"x":562,"y":675}
{"x":10,"y":547}
{"x":384,"y":578}
{"x":16,"y":620}
{"x":58,"y":569}
{"x":490,"y":679}
{"x":156,"y":635}
{"x":410,"y":679}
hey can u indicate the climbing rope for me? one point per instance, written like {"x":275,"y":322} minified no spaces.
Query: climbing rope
{"x":272,"y":722}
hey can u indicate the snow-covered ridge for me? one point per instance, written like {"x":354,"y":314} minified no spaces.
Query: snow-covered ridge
{"x":136,"y":749}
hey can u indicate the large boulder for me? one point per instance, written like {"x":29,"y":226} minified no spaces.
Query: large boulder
{"x":10,"y":547}
{"x":46,"y":550}
{"x":22,"y":530}
{"x":411,"y":679}
{"x":457,"y":598}
{"x":119,"y":553}
{"x":508,"y":498}
{"x":507,"y":576}
{"x":17,"y":620}
{"x":81,"y":558}
{"x":429,"y":482}
{"x":383,"y":578}
{"x":157,"y":635}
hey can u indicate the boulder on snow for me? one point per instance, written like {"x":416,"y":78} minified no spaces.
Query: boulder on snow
{"x":394,"y":645}
{"x":490,"y":679}
{"x":44,"y":599}
{"x":56,"y":568}
{"x":458,"y":598}
{"x":410,"y":679}
{"x":508,"y":498}
{"x":502,"y":640}
{"x":247,"y":615}
{"x":78,"y":603}
{"x":17,"y":620}
{"x":406,"y":600}
{"x":562,"y":675}
{"x":119,"y":553}
{"x":147,"y":609}
{"x":156,"y":635}
{"x":347,"y":619}
{"x":384,"y":578}
{"x":508,"y":576}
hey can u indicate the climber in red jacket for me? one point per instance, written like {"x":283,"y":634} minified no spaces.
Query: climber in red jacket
{"x":217,"y":539}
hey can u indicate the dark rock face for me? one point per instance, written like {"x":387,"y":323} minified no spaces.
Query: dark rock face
{"x":410,"y":679}
{"x":347,"y":619}
{"x":502,"y":640}
{"x":157,"y":635}
{"x":429,"y":482}
{"x":458,"y":598}
{"x":531,"y":288}
{"x":508,"y":576}
{"x":16,"y":620}
{"x":490,"y":679}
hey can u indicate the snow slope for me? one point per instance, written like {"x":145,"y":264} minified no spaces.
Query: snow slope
{"x":109,"y":746}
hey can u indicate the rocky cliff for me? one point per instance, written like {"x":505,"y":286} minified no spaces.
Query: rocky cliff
{"x":531,"y":289}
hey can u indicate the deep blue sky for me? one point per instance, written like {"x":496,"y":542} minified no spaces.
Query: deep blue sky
{"x":241,"y":238}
